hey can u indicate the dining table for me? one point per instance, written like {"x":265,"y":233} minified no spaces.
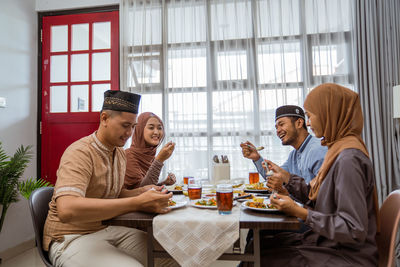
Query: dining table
{"x":196,"y":236}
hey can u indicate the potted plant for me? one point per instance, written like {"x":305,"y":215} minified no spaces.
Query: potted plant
{"x":11,"y":170}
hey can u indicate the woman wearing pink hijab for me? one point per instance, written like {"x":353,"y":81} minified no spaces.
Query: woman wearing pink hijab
{"x":143,"y":166}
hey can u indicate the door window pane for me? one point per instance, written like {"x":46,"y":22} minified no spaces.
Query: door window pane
{"x":58,"y":68}
{"x":101,"y":35}
{"x":187,"y":68}
{"x":79,"y":67}
{"x":79,"y":98}
{"x":80,"y":37}
{"x":98,"y":95}
{"x":59,"y":38}
{"x":58,"y":99}
{"x":101,"y":66}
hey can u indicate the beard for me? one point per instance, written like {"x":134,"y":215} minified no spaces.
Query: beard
{"x":290,"y":138}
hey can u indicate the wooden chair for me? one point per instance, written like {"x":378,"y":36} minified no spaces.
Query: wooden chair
{"x":39,"y":206}
{"x":389,"y":215}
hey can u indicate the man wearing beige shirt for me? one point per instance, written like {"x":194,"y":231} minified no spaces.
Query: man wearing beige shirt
{"x":89,"y":190}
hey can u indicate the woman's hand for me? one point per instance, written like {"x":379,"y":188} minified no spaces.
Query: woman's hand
{"x":170,"y":180}
{"x":165,"y":152}
{"x":277,"y":171}
{"x":288,"y":206}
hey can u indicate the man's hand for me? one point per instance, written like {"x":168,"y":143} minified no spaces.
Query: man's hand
{"x":288,"y":206}
{"x":249,"y":151}
{"x":153,"y":201}
{"x":165,"y":152}
{"x":146,"y":188}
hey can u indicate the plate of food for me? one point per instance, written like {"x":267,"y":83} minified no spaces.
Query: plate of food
{"x":174,"y":204}
{"x":176,"y":189}
{"x":205,"y":203}
{"x":257,"y":188}
{"x":260,"y":204}
{"x":241,"y":197}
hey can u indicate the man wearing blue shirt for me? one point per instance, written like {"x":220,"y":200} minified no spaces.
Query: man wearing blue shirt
{"x":308,"y":154}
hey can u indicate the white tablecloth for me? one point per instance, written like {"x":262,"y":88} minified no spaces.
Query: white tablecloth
{"x":194,"y":236}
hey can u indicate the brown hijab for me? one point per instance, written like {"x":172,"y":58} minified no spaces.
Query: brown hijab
{"x":338,"y":116}
{"x":140,"y":155}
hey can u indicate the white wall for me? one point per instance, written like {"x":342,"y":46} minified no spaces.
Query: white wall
{"x":18,"y":84}
{"x":50,"y":5}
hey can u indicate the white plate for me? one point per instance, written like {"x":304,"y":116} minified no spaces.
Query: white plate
{"x":179,"y":204}
{"x":266,"y":201}
{"x":193,"y":204}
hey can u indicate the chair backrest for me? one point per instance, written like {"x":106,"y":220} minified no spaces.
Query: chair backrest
{"x":389,"y":215}
{"x":39,"y":206}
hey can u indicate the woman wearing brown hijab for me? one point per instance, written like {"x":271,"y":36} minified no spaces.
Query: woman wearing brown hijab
{"x":143,"y":167}
{"x":340,"y":203}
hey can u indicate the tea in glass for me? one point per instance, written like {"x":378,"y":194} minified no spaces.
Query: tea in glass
{"x":224,"y":199}
{"x":253,"y":177}
{"x":186,"y":179}
{"x":194,"y":189}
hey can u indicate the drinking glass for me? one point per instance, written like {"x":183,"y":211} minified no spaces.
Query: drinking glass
{"x":224,"y":198}
{"x":194,"y":189}
{"x":253,"y":177}
{"x":186,"y":179}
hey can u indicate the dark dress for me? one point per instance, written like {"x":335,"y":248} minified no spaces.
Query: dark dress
{"x":342,"y":220}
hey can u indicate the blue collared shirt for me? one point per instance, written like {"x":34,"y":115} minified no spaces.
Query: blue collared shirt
{"x":304,"y":162}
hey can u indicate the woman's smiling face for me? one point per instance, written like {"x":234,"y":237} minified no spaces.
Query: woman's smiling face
{"x":311,"y":122}
{"x":153,"y":132}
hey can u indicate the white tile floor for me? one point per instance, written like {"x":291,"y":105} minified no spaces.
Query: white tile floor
{"x":31,"y":258}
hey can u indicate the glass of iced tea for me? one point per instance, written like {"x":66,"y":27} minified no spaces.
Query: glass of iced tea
{"x":194,"y":189}
{"x":253,"y":177}
{"x":224,"y":198}
{"x":186,"y":179}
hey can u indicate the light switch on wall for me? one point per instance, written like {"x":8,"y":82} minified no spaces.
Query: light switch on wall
{"x":2,"y":102}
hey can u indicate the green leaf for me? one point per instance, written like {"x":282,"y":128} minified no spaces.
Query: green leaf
{"x":27,"y":187}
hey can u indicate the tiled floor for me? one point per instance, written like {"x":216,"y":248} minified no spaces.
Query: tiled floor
{"x":31,"y":258}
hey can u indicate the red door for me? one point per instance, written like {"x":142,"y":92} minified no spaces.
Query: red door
{"x":80,"y":61}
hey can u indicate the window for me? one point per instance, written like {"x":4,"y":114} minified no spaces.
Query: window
{"x":215,"y":71}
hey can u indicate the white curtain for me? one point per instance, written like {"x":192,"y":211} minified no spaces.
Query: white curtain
{"x":215,"y":70}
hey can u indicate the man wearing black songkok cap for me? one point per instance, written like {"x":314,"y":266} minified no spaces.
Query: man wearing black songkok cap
{"x":89,"y":190}
{"x":308,"y":154}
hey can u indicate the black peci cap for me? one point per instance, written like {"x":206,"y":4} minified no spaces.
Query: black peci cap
{"x":121,"y":101}
{"x":289,"y":111}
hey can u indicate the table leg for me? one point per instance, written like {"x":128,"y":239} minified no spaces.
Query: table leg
{"x":150,"y":248}
{"x":256,"y":248}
